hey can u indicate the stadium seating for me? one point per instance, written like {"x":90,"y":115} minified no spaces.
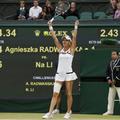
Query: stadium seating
{"x":86,"y":16}
{"x":71,"y":18}
{"x":59,"y":18}
{"x":109,"y":17}
{"x":89,"y":9}
{"x":99,"y":15}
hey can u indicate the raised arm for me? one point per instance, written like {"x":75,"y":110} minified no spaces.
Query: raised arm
{"x":57,"y":43}
{"x":74,"y":36}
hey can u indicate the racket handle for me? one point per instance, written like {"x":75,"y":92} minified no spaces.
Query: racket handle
{"x":52,"y":20}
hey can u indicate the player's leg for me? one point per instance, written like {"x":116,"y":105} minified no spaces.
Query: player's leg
{"x":111,"y":98}
{"x":56,"y":91}
{"x":58,"y":101}
{"x":57,"y":107}
{"x":69,"y":87}
{"x":56,"y":110}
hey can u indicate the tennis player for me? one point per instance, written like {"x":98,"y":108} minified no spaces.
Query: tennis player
{"x":64,"y":71}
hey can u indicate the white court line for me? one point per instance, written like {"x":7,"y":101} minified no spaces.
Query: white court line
{"x":69,"y":119}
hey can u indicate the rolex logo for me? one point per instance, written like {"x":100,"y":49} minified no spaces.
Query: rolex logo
{"x":37,"y":33}
{"x":0,"y":49}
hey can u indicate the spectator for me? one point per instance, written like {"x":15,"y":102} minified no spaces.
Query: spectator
{"x":48,"y":11}
{"x":117,"y":12}
{"x":35,"y":11}
{"x":22,"y":12}
{"x":112,"y":8}
{"x":73,"y":11}
{"x":43,"y":14}
{"x":47,"y":2}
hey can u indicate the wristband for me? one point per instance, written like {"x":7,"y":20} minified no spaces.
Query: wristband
{"x":50,"y":28}
{"x":76,"y":27}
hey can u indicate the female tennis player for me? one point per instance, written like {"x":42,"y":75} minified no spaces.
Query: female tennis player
{"x":64,"y":71}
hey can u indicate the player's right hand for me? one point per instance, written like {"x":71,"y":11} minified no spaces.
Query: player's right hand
{"x":49,"y":23}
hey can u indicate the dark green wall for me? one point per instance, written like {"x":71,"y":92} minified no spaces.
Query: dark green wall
{"x":92,"y":100}
{"x":92,"y":97}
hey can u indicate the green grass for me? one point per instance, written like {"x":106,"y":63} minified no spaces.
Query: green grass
{"x":38,"y":116}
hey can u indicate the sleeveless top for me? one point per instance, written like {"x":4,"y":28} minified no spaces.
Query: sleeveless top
{"x":65,"y":62}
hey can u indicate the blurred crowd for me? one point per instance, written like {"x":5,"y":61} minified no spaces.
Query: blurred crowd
{"x":46,"y":12}
{"x":114,"y":9}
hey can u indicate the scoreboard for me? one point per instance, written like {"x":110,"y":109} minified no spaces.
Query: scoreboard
{"x":28,"y":57}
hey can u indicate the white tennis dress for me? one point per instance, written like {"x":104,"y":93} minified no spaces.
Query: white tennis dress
{"x":64,"y":70}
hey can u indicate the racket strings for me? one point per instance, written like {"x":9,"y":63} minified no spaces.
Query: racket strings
{"x":62,"y":7}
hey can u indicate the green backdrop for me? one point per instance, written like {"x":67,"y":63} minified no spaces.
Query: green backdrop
{"x":90,"y":61}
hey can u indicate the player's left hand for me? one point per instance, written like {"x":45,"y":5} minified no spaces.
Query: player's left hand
{"x":77,"y":22}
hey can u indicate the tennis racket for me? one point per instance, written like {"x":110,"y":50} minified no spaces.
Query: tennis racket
{"x":61,"y":8}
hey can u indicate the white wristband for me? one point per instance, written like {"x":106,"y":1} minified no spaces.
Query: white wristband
{"x":50,"y":28}
{"x":76,"y":27}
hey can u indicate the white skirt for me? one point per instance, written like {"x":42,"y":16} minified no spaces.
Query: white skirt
{"x":65,"y":77}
